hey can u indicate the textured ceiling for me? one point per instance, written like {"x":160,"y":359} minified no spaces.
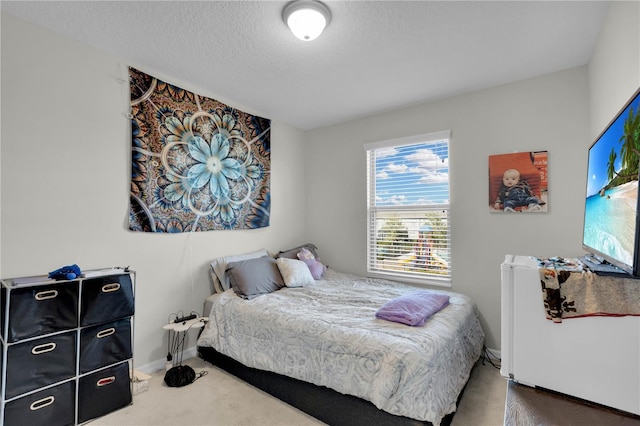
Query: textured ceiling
{"x":374,"y":56}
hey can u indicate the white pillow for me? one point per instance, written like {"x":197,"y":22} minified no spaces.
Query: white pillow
{"x":219,"y":266}
{"x":295,"y":272}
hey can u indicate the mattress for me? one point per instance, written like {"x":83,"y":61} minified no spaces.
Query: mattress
{"x":327,"y":334}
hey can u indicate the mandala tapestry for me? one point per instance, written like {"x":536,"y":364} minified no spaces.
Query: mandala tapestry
{"x":197,"y":164}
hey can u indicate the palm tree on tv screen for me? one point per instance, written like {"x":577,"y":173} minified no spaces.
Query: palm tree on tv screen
{"x":630,"y":139}
{"x":611,"y":170}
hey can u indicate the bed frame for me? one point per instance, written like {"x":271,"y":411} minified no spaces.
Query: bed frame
{"x":325,"y":404}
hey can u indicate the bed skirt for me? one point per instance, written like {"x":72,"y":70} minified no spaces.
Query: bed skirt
{"x":325,"y":404}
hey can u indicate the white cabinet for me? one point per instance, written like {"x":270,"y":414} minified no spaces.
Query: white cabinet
{"x":66,"y":348}
{"x":592,"y":358}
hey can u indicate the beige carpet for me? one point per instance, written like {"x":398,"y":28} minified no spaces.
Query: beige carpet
{"x":220,"y":399}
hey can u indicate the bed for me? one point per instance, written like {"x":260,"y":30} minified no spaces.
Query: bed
{"x":320,"y":347}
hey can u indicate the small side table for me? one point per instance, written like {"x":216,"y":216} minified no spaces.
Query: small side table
{"x":177,"y":336}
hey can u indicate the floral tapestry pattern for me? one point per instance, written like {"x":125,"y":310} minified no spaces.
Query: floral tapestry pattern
{"x":197,"y":164}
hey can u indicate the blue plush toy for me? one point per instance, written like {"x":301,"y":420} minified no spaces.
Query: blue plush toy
{"x":66,"y":273}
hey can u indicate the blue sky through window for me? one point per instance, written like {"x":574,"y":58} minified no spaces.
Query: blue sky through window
{"x":415,"y":174}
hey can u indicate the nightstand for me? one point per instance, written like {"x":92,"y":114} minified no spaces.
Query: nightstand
{"x":177,"y":336}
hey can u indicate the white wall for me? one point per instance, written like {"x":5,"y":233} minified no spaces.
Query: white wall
{"x":546,"y":113}
{"x":614,"y":69}
{"x":65,"y":182}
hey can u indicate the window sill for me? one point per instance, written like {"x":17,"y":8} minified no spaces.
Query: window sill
{"x":430,"y":281}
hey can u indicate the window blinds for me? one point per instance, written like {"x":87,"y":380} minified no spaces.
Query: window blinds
{"x":408,"y":208}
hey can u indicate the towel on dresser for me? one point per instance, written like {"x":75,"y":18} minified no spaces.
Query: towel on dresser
{"x":571,"y":291}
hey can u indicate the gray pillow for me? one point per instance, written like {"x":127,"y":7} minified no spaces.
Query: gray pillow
{"x":253,"y":277}
{"x":293,"y":253}
{"x":219,"y":266}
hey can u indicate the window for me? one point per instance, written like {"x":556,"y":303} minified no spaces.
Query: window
{"x":408,"y":228}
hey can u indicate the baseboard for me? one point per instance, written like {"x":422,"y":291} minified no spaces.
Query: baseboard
{"x":495,"y":352}
{"x":160,"y":364}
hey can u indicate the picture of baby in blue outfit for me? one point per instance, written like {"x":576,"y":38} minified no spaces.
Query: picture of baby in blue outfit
{"x":515,"y":192}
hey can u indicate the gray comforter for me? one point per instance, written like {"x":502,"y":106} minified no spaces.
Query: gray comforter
{"x":327,"y":334}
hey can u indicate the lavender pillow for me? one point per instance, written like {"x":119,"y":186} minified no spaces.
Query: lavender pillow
{"x":413,"y":308}
{"x":317,"y":268}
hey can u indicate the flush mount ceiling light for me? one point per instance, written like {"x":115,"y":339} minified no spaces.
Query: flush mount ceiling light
{"x":306,"y":18}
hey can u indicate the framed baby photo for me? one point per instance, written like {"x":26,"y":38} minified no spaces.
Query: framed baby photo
{"x":518,"y":182}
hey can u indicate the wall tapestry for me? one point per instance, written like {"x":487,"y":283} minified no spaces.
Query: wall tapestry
{"x":197,"y":164}
{"x":518,"y":182}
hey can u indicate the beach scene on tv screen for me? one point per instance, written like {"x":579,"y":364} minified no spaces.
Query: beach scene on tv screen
{"x":612,"y":187}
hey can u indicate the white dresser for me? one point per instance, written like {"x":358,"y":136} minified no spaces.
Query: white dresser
{"x":592,"y":358}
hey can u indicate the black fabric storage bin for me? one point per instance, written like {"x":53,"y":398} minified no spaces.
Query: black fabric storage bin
{"x":104,"y":391}
{"x":50,"y":407}
{"x":105,"y":344}
{"x":106,"y":299}
{"x":40,"y":362}
{"x":39,"y":310}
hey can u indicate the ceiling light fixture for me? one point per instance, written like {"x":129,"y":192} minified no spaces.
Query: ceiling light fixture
{"x":306,"y":18}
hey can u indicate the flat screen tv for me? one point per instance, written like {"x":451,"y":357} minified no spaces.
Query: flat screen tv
{"x":611,"y":221}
